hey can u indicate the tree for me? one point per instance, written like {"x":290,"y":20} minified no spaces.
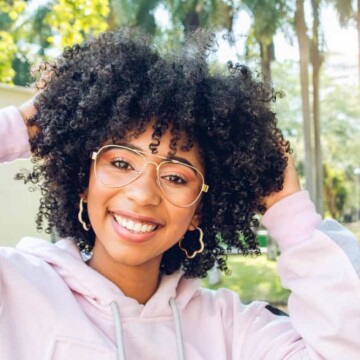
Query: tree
{"x":340,"y":127}
{"x":26,"y":34}
{"x":7,"y":53}
{"x":195,"y":14}
{"x":340,"y":123}
{"x":345,"y":10}
{"x":316,"y":62}
{"x":72,"y":20}
{"x":304,"y":55}
{"x":133,"y":13}
{"x":10,"y":12}
{"x":268,"y":16}
{"x":347,"y":13}
{"x":40,"y":31}
{"x":335,"y":191}
{"x":358,"y":31}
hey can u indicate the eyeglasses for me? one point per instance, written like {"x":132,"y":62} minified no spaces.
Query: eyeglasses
{"x":117,"y":166}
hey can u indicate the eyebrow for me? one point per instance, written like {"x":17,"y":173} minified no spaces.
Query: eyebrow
{"x":171,"y":157}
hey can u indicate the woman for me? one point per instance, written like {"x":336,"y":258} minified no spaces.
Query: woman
{"x":150,"y":166}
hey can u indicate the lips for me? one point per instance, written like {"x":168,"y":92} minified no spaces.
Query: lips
{"x":135,"y":226}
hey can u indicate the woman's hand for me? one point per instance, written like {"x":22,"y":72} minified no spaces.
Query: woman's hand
{"x":290,"y":186}
{"x":27,"y":110}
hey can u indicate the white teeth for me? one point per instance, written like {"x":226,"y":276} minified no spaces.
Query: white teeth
{"x":137,"y":227}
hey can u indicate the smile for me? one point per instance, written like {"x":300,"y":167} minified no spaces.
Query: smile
{"x":134,"y":226}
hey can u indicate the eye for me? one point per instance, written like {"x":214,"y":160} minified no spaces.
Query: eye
{"x":121,"y":164}
{"x":175,"y":179}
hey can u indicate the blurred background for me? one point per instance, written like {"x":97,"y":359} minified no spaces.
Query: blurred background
{"x":307,"y":48}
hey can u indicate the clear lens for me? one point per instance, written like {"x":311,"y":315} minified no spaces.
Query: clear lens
{"x":180,"y":183}
{"x":117,"y":166}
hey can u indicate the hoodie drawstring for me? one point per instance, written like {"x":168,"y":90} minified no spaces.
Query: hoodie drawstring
{"x":179,"y":339}
{"x":119,"y":333}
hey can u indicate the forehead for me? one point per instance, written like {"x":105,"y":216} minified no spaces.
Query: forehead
{"x":146,"y":142}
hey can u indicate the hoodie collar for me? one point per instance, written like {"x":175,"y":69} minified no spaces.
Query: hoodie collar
{"x":65,"y":258}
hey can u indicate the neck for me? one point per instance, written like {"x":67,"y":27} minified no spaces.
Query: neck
{"x":138,"y":282}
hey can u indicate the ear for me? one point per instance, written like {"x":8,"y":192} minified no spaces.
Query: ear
{"x":196,"y":220}
{"x":84,"y":194}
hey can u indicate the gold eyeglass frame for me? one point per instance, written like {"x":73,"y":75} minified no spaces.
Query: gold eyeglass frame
{"x":204,"y":187}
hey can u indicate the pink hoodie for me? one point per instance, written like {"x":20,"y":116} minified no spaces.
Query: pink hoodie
{"x":54,"y":306}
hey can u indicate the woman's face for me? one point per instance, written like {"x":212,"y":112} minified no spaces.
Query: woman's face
{"x":136,"y":224}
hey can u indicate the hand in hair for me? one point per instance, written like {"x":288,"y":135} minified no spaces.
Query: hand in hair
{"x":290,"y":186}
{"x":27,"y":111}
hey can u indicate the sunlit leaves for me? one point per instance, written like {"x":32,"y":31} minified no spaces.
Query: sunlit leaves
{"x":267,"y":16}
{"x":335,"y":191}
{"x":27,"y":30}
{"x":345,"y":10}
{"x":10,"y":12}
{"x":201,"y":13}
{"x":71,"y":20}
{"x":12,"y":8}
{"x":133,"y":13}
{"x":7,"y":52}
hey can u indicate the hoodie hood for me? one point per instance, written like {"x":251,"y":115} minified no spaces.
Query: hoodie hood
{"x":65,"y":258}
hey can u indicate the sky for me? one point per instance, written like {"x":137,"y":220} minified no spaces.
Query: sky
{"x":340,"y":46}
{"x":340,"y":43}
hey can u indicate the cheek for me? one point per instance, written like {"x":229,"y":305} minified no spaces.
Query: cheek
{"x":97,"y":192}
{"x":180,"y":219}
{"x":97,"y":195}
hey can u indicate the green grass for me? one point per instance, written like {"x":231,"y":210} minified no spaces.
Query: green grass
{"x":257,"y":278}
{"x":355,"y":228}
{"x":253,"y":279}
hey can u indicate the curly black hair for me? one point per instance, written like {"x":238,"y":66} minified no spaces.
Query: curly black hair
{"x":111,"y":87}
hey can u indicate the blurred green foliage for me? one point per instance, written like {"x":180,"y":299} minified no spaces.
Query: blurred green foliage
{"x":33,"y":31}
{"x":72,"y":20}
{"x":29,"y":31}
{"x":253,"y":278}
{"x":10,"y":12}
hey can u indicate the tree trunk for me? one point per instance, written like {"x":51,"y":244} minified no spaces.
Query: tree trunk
{"x":114,"y":17}
{"x":303,"y":42}
{"x":317,"y":132}
{"x":267,"y":54}
{"x":191,"y":21}
{"x":358,"y":31}
{"x":316,"y":61}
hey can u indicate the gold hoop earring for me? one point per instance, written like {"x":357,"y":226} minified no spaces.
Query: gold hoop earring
{"x":85,"y":226}
{"x":201,"y":235}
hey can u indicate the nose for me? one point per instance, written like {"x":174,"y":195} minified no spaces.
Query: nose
{"x":145,"y":190}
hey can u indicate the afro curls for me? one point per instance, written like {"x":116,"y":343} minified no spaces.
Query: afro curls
{"x":110,"y":88}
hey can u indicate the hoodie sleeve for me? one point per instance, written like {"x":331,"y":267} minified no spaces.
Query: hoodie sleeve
{"x":324,"y":305}
{"x":14,"y":141}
